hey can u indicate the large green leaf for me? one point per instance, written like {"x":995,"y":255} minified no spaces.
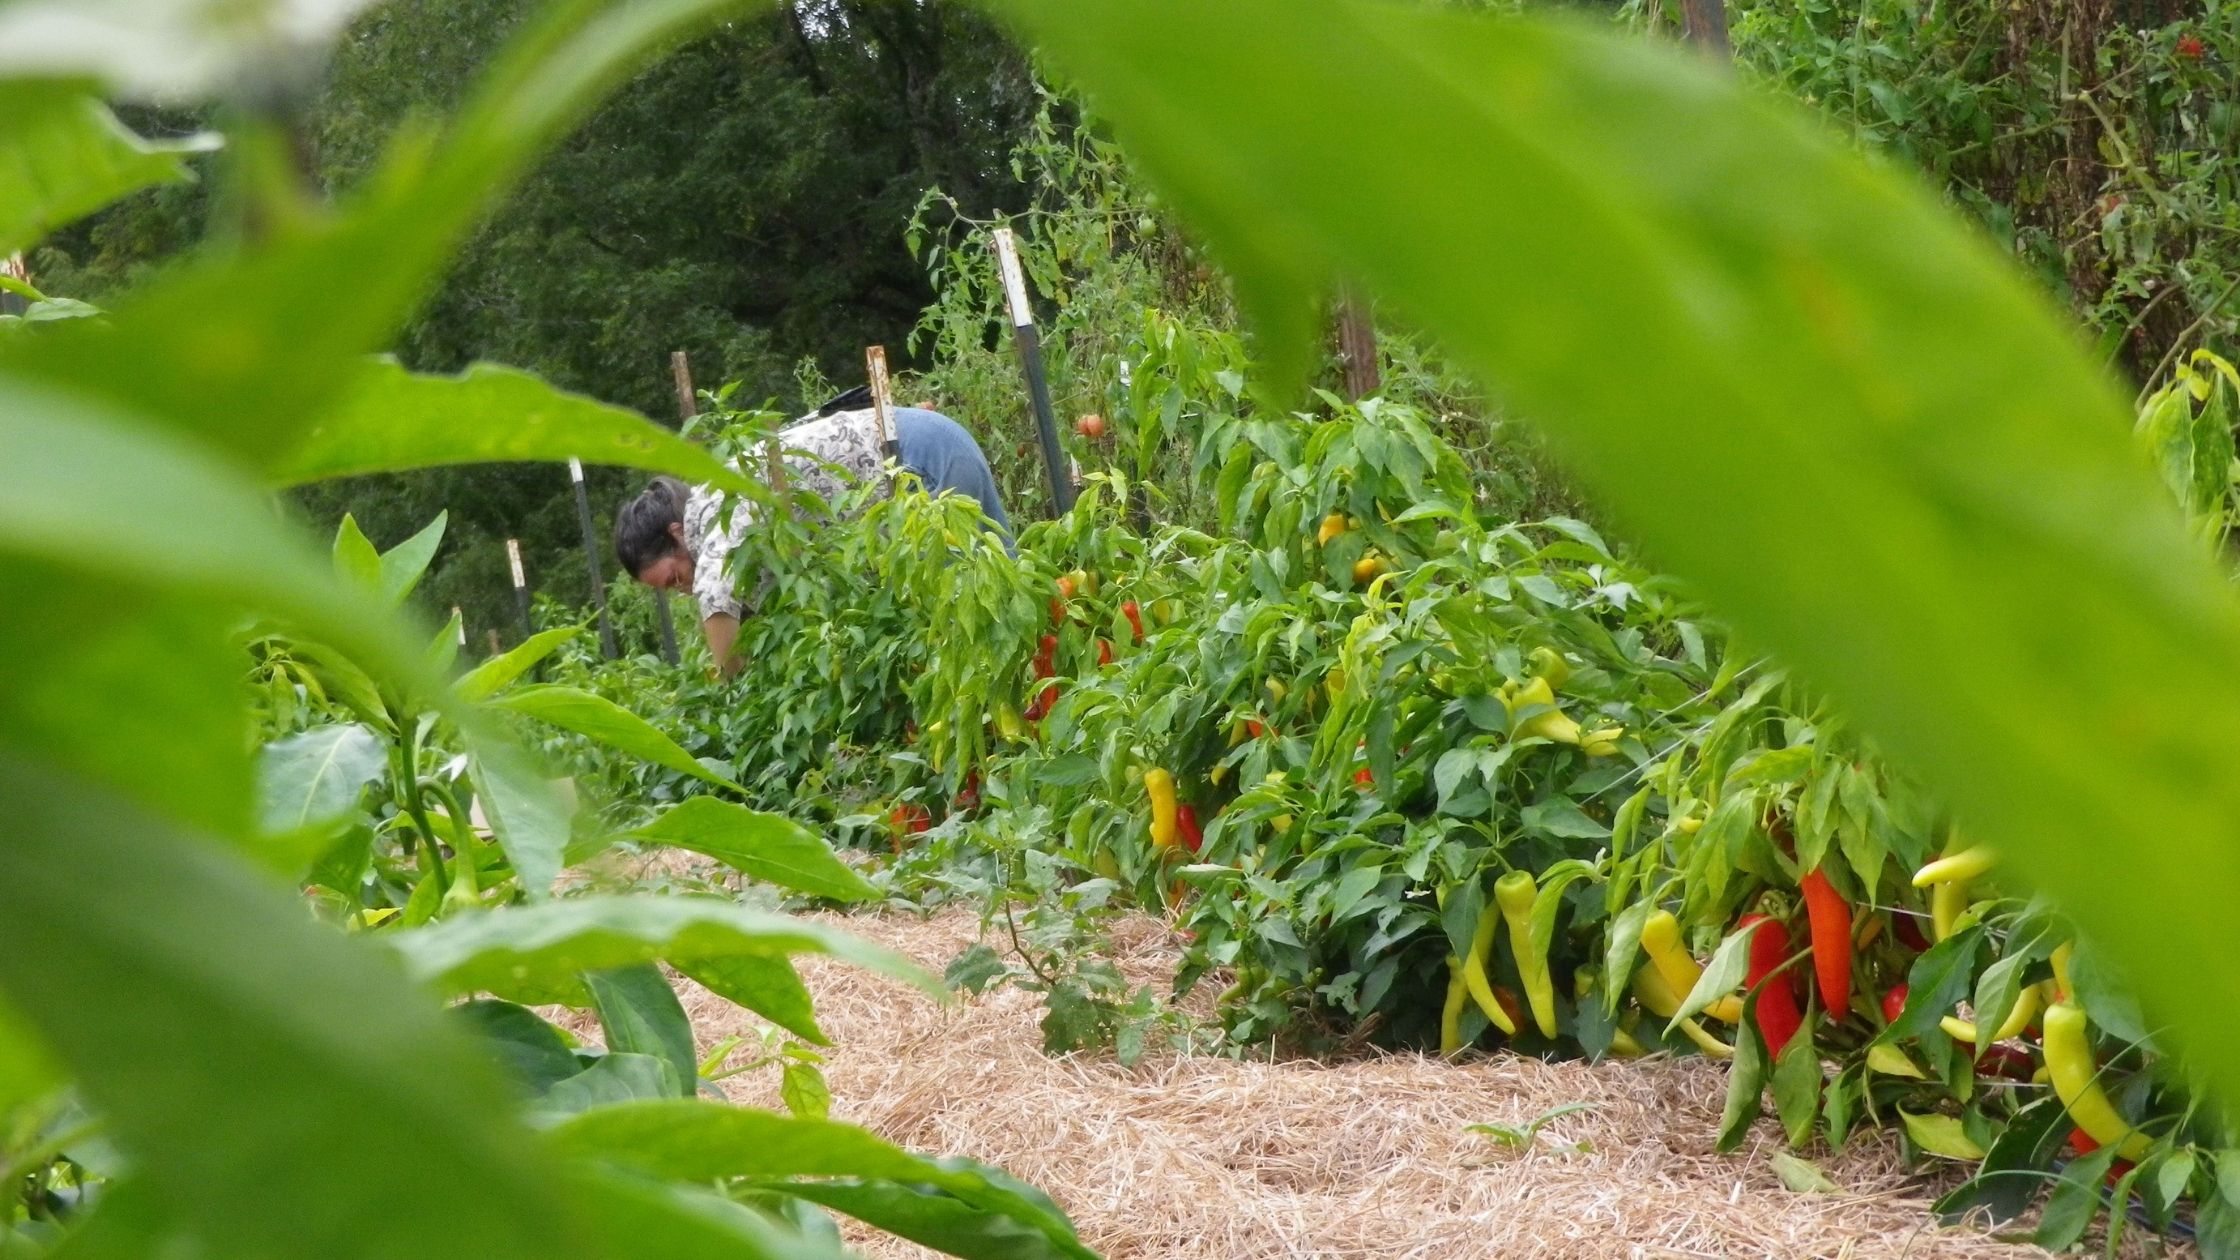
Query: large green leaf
{"x":127,"y":674}
{"x":63,"y":155}
{"x":690,"y":1141}
{"x":226,"y":1035}
{"x":247,"y":348}
{"x":931,"y":1218}
{"x":1792,"y":374}
{"x":526,"y":816}
{"x":599,"y":718}
{"x":493,"y":675}
{"x":27,"y":1070}
{"x":146,"y":703}
{"x":524,"y":1045}
{"x":770,"y":987}
{"x":533,"y":954}
{"x":317,"y":775}
{"x":769,"y":847}
{"x":393,"y":420}
{"x":640,"y":1014}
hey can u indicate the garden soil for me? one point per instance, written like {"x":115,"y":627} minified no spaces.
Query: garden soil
{"x":1206,"y":1158}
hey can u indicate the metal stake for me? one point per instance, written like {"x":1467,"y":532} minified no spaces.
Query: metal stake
{"x":1029,"y":342}
{"x":520,"y":587}
{"x":591,"y":559}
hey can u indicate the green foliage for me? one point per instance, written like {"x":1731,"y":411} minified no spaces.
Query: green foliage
{"x":67,"y":156}
{"x":2086,"y":140}
{"x":1727,"y":247}
{"x":273,"y":1085}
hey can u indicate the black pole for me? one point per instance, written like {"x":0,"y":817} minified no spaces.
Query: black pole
{"x":668,"y":627}
{"x":1029,"y":342}
{"x":591,"y":559}
{"x":688,"y":406}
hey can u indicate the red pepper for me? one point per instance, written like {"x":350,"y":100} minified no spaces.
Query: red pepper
{"x":2007,"y":1062}
{"x":1893,"y":1004}
{"x":1830,"y":917}
{"x":1363,"y":780}
{"x":1046,"y":656}
{"x":1253,"y":728}
{"x":1186,"y":823}
{"x":2083,"y":1144}
{"x":1104,"y":652}
{"x":1909,"y":933}
{"x":1778,"y":1016}
{"x":1134,"y":616}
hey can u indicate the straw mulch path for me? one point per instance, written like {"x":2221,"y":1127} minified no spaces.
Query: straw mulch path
{"x":1202,"y":1158}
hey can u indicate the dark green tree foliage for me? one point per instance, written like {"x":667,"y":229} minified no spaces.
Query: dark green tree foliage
{"x":744,"y":200}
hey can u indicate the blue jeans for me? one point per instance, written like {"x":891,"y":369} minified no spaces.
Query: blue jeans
{"x":943,"y":456}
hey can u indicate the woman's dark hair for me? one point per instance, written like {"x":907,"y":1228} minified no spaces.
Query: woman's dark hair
{"x":641,"y":528}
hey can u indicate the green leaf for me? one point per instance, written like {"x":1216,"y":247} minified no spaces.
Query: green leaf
{"x":931,"y":1218}
{"x":1940,"y":1135}
{"x":1937,"y":981}
{"x":317,"y":775}
{"x":2075,"y":1200}
{"x":1721,"y":976}
{"x":596,"y":717}
{"x":224,"y":1034}
{"x":170,"y":517}
{"x":770,"y":987}
{"x":1967,"y":467}
{"x":530,"y":1051}
{"x":688,"y":1141}
{"x":684,"y":1223}
{"x":2012,"y":1172}
{"x":1625,"y":946}
{"x":532,"y":954}
{"x":525,"y":814}
{"x":493,"y":675}
{"x":1746,"y":1085}
{"x":611,"y":1081}
{"x":147,"y":704}
{"x":1797,"y":1080}
{"x":640,"y":1014}
{"x":403,"y":565}
{"x":802,"y":1088}
{"x":768,"y":847}
{"x":195,"y":348}
{"x":27,"y":1068}
{"x":63,"y":155}
{"x":355,"y":556}
{"x":1801,"y":1176}
{"x":975,"y":969}
{"x":393,"y":420}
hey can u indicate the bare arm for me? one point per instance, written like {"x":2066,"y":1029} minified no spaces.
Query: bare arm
{"x":722,"y":631}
